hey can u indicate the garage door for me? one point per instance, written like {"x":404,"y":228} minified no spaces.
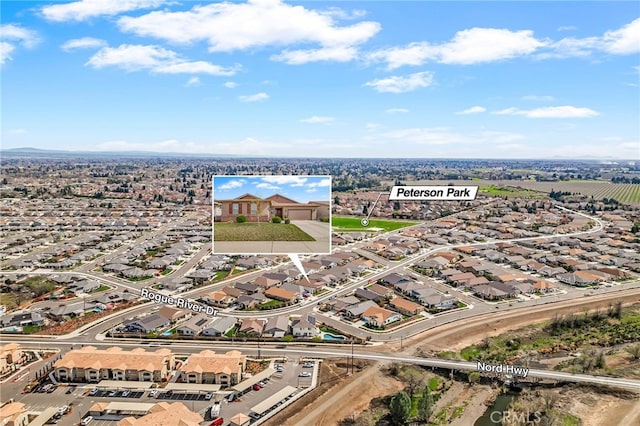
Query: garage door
{"x":300,"y":214}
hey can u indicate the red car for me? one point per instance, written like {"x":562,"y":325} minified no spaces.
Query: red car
{"x":257,"y":387}
{"x":217,"y":422}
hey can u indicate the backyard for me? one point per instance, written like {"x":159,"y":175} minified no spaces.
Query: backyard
{"x":259,"y":232}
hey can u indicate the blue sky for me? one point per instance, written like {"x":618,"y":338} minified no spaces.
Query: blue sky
{"x":298,"y":188}
{"x":324,"y":79}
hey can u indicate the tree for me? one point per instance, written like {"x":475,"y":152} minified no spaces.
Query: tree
{"x":412,"y":378}
{"x":425,"y":405}
{"x":399,"y":408}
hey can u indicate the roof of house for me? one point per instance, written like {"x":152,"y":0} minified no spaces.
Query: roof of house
{"x":208,"y":361}
{"x":280,"y":293}
{"x":165,"y":414}
{"x":280,"y":322}
{"x":114,"y":358}
{"x":405,"y":304}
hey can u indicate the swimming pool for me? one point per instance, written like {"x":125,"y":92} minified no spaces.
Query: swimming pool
{"x":329,"y":336}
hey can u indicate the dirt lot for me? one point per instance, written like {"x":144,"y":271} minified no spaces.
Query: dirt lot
{"x":338,"y":396}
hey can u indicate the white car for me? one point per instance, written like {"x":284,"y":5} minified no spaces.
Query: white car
{"x":208,"y":396}
{"x":126,"y":393}
{"x":86,"y":420}
{"x":304,"y":374}
{"x":153,"y":393}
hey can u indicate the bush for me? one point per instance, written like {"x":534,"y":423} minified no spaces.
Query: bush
{"x":324,"y":219}
{"x":287,"y":221}
{"x":276,"y":219}
{"x":241,"y":218}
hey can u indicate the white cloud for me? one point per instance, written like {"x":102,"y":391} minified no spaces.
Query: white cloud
{"x":254,"y":98}
{"x":338,"y":13}
{"x":471,"y":46}
{"x":443,"y":136}
{"x":285,"y":180}
{"x":82,"y":43}
{"x":396,"y":110}
{"x":322,"y":183}
{"x":473,"y":110}
{"x":624,"y":41}
{"x":232,"y":184}
{"x":26,"y":37}
{"x":402,"y":84}
{"x":230,"y":85}
{"x":131,"y":57}
{"x":318,"y":119}
{"x":565,"y":111}
{"x":478,"y":45}
{"x":542,"y":98}
{"x":11,"y":36}
{"x":567,"y":28}
{"x":311,"y":190}
{"x":428,"y":136}
{"x":230,"y":26}
{"x":193,"y":82}
{"x":299,"y":57}
{"x":266,"y":185}
{"x":85,"y":9}
{"x":5,"y":51}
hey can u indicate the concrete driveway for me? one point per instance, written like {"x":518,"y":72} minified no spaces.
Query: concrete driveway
{"x":320,"y":231}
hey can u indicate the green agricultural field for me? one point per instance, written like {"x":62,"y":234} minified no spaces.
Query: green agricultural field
{"x":353,"y":224}
{"x":509,"y":191}
{"x":259,"y":232}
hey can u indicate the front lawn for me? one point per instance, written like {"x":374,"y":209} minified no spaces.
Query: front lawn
{"x":259,"y":232}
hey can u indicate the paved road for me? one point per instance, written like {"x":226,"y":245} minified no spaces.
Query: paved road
{"x":297,"y":351}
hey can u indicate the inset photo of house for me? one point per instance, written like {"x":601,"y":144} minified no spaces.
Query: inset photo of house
{"x":272,"y":214}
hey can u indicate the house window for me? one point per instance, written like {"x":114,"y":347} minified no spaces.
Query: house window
{"x":235,"y":208}
{"x":254,"y":209}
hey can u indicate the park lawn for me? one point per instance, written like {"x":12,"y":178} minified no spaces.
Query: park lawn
{"x":259,"y":232}
{"x":353,"y":224}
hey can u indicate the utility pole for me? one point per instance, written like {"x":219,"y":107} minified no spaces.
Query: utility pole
{"x":351,"y":356}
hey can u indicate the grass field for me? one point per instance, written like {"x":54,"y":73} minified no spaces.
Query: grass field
{"x":259,"y":232}
{"x":352,"y":224}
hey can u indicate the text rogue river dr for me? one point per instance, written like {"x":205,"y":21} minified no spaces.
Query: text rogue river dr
{"x":179,"y":302}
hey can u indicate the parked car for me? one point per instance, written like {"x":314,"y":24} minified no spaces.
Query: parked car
{"x":304,"y":374}
{"x":257,"y":387}
{"x":217,"y":422}
{"x":307,"y":365}
{"x":70,"y":390}
{"x":113,"y":393}
{"x":208,"y":396}
{"x":93,"y":392}
{"x":153,"y":393}
{"x":86,"y":420}
{"x":126,"y":393}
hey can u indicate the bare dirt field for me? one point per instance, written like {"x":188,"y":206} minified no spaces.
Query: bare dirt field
{"x":338,"y":396}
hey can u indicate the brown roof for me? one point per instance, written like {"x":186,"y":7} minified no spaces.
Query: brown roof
{"x":115,"y":358}
{"x":280,"y":293}
{"x":405,"y":304}
{"x":165,"y":414}
{"x":208,"y":361}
